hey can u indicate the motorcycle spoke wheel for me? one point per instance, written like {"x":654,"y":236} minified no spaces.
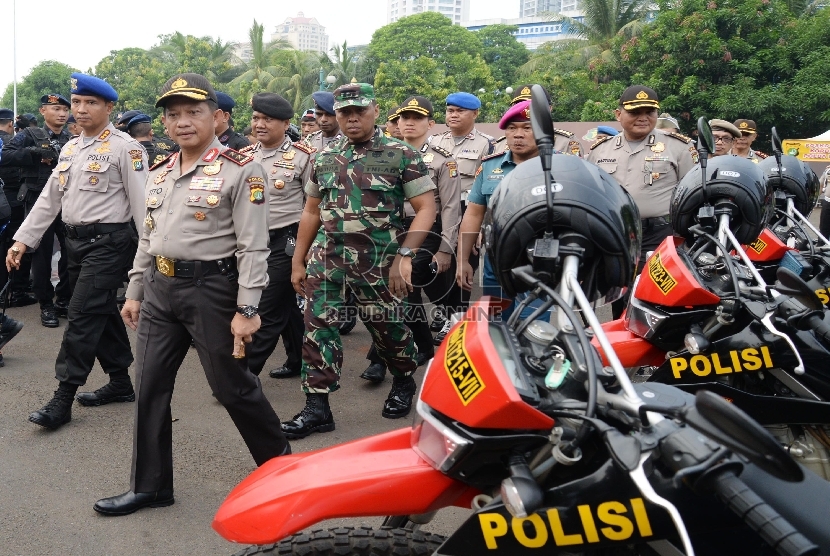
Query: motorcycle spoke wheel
{"x":352,"y":541}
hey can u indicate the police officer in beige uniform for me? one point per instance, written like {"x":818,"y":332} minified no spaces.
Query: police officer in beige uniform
{"x":199,"y":272}
{"x":563,"y":140}
{"x":287,"y":166}
{"x":98,"y":183}
{"x":743,"y":144}
{"x":647,"y":162}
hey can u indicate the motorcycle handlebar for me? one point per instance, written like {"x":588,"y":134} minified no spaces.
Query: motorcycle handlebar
{"x":761,"y":517}
{"x":820,"y":329}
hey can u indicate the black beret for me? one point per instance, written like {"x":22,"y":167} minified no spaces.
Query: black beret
{"x":272,"y":105}
{"x":226,"y":102}
{"x":54,"y":98}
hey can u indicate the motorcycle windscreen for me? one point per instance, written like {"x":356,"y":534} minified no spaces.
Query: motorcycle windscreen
{"x":667,"y":281}
{"x":374,"y":476}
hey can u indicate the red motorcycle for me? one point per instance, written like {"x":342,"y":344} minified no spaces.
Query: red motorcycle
{"x":521,"y":422}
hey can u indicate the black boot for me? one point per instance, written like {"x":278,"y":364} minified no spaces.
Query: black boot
{"x":48,"y":315}
{"x":375,"y":373}
{"x":399,"y":401}
{"x":118,"y":389}
{"x":315,"y":417}
{"x":62,"y":307}
{"x":57,"y":412}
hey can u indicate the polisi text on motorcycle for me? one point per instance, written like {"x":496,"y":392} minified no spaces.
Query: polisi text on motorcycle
{"x":733,"y":361}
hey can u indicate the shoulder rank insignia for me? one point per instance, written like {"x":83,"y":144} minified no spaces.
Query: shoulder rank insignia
{"x":601,"y":141}
{"x":442,"y":151}
{"x":489,"y":156}
{"x":501,"y":139}
{"x":761,"y":155}
{"x":157,"y":162}
{"x":680,"y":137}
{"x":303,"y":147}
{"x":563,"y":132}
{"x":249,"y":148}
{"x":236,"y":157}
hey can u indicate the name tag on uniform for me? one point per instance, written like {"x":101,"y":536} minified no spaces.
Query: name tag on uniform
{"x":206,"y":183}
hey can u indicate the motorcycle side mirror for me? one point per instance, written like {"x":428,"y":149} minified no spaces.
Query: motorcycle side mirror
{"x":706,"y":141}
{"x":725,"y":423}
{"x":793,"y":285}
{"x":542,"y":125}
{"x":776,"y":142}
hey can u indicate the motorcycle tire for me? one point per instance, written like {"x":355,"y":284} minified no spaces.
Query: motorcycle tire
{"x":360,"y":541}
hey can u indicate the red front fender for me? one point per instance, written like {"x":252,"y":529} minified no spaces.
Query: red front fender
{"x":631,"y":350}
{"x":375,"y":476}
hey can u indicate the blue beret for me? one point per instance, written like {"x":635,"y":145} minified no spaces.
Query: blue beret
{"x":464,"y":100}
{"x":226,"y":103}
{"x":83,"y":84}
{"x":126,"y":117}
{"x":607,"y":130}
{"x":6,"y":114}
{"x":139,"y":118}
{"x":324,"y":101}
{"x":71,"y":119}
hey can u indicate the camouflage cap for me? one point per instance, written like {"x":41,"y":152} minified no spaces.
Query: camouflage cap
{"x":188,"y":85}
{"x":353,"y":94}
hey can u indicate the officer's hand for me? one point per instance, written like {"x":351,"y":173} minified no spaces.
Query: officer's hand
{"x":464,"y":276}
{"x":298,"y":277}
{"x":400,"y":277}
{"x":477,"y":246}
{"x":443,"y":261}
{"x":14,"y":254}
{"x":130,"y":312}
{"x":243,"y":330}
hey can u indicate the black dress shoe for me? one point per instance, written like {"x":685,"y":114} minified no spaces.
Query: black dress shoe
{"x":399,"y":401}
{"x":130,"y":501}
{"x":375,"y":373}
{"x":48,"y":316}
{"x":62,"y":307}
{"x":9,"y":329}
{"x":22,"y":299}
{"x":438,"y":322}
{"x":283,"y":372}
{"x":443,"y":332}
{"x":315,"y":417}
{"x":109,"y":393}
{"x":57,"y":412}
{"x":423,"y":358}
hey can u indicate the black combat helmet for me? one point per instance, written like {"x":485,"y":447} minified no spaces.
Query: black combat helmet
{"x":732,"y":182}
{"x":797,"y":180}
{"x":587,"y":201}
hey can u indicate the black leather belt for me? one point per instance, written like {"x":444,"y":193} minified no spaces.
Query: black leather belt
{"x":655,"y":221}
{"x":187,"y":269}
{"x":279,"y":233}
{"x":92,"y":230}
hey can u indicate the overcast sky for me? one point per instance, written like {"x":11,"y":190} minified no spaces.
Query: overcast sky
{"x":80,"y":35}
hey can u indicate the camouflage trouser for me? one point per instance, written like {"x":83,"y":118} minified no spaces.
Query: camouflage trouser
{"x":366,"y":273}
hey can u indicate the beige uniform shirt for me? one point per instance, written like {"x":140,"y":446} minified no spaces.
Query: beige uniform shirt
{"x":287,"y":169}
{"x":101,"y":182}
{"x":650,"y":170}
{"x":317,"y":142}
{"x":563,"y":141}
{"x":467,"y":153}
{"x":216,"y":209}
{"x":443,"y":169}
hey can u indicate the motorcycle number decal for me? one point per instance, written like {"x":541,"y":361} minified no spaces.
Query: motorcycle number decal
{"x":463,"y":374}
{"x":659,"y":275}
{"x":749,"y":359}
{"x":606,"y":520}
{"x":758,"y":245}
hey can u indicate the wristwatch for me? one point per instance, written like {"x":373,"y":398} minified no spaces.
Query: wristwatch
{"x":248,"y":311}
{"x":406,"y":252}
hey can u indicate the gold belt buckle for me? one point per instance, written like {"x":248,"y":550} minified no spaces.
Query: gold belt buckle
{"x":165,"y":266}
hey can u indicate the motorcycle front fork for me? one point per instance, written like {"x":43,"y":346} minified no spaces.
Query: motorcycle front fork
{"x":409,"y":522}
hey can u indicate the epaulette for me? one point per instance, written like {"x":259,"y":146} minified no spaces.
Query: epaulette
{"x":563,"y":132}
{"x":488,"y":137}
{"x":160,"y":162}
{"x":249,"y":148}
{"x":236,"y":157}
{"x":500,"y":139}
{"x":303,"y":147}
{"x":761,"y":155}
{"x":442,"y":151}
{"x":489,"y":156}
{"x":680,"y":137}
{"x":601,"y":140}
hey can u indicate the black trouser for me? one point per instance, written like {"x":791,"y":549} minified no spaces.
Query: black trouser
{"x":174,"y":310}
{"x":94,"y":326}
{"x":20,"y":281}
{"x":458,"y":299}
{"x":824,"y":220}
{"x":435,"y":285}
{"x":278,"y":308}
{"x":654,"y":232}
{"x":42,"y":259}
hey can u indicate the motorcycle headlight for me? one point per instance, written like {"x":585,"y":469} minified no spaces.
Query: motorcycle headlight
{"x":434,"y":441}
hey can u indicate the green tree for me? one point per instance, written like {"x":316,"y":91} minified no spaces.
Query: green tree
{"x":343,"y":65}
{"x":605,"y":19}
{"x":297,"y":75}
{"x":428,"y":34}
{"x":502,"y":52}
{"x":260,"y":72}
{"x":396,"y":80}
{"x":46,"y":77}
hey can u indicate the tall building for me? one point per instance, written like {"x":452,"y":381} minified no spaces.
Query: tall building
{"x":456,"y":10}
{"x":304,"y":33}
{"x":531,"y":31}
{"x":534,"y":8}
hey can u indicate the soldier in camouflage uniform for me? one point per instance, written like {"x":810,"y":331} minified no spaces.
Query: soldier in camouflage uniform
{"x":357,"y":189}
{"x":563,"y":140}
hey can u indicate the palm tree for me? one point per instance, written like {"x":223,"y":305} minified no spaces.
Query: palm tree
{"x":261,"y":71}
{"x":296,"y":78}
{"x":346,"y":64}
{"x":604,"y":19}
